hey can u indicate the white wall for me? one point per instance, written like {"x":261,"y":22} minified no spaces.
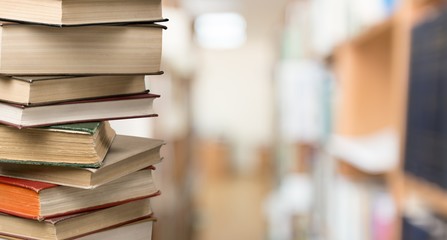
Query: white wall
{"x":233,"y":97}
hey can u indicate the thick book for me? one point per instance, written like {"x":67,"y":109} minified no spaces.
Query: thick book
{"x":38,"y":90}
{"x":39,"y":200}
{"x":81,"y":144}
{"x":88,"y":110}
{"x":80,"y":12}
{"x":76,"y":225}
{"x":139,"y":230}
{"x":28,"y":49}
{"x":126,"y":155}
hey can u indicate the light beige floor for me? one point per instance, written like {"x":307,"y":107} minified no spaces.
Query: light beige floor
{"x":231,"y":208}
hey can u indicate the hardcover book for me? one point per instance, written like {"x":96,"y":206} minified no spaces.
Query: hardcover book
{"x":127,"y":154}
{"x":28,"y":49}
{"x":39,"y":90}
{"x":426,"y":127}
{"x":76,"y":225}
{"x":81,"y":144}
{"x":140,"y":230}
{"x":80,"y":12}
{"x":39,"y":200}
{"x":88,"y":110}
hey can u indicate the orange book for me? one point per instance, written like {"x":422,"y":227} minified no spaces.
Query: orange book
{"x":39,"y":200}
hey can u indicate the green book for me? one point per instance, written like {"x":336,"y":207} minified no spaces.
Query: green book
{"x":77,"y":145}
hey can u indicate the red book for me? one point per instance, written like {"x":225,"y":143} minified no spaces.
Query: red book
{"x":99,"y":109}
{"x":38,"y":200}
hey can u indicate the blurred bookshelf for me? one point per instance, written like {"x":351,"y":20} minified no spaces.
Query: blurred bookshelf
{"x":371,"y":67}
{"x":373,"y":70}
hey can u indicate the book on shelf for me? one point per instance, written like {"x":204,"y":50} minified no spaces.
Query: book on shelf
{"x":86,"y":110}
{"x":39,"y":200}
{"x":81,"y":12}
{"x":426,"y":127}
{"x":75,"y":225}
{"x":38,"y":90}
{"x":80,"y":144}
{"x":126,"y":155}
{"x":29,"y":49}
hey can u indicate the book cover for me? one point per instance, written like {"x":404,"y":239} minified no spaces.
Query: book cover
{"x":88,"y":110}
{"x":426,"y":124}
{"x":39,"y":200}
{"x":39,"y":90}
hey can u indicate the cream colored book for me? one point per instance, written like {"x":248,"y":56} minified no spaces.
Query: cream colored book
{"x":141,"y":230}
{"x":76,"y":225}
{"x":126,"y":155}
{"x":80,"y":12}
{"x":35,"y":90}
{"x":27,"y":49}
{"x":88,"y":110}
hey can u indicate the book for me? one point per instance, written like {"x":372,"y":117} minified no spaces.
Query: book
{"x":37,"y":90}
{"x":80,"y":12}
{"x":81,"y":144}
{"x":141,"y":230}
{"x":75,"y":225}
{"x":29,"y":49}
{"x":127,"y":154}
{"x":88,"y":110}
{"x":426,"y":129}
{"x":39,"y":200}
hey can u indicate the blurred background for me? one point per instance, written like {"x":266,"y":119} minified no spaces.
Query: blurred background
{"x":287,"y":120}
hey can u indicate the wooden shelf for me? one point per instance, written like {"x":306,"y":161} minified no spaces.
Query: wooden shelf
{"x":353,"y":172}
{"x":376,"y":32}
{"x":427,"y":3}
{"x":433,"y":196}
{"x":364,"y":72}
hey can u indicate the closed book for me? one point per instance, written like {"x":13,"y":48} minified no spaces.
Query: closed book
{"x":38,"y":90}
{"x":88,"y":110}
{"x":79,"y":12}
{"x":126,"y":155}
{"x":81,"y":144}
{"x":411,"y":231}
{"x":39,"y":200}
{"x":75,"y":225}
{"x":425,"y":128}
{"x":28,"y":49}
{"x":141,"y":230}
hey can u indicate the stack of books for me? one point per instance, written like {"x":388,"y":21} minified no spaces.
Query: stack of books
{"x":66,"y":69}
